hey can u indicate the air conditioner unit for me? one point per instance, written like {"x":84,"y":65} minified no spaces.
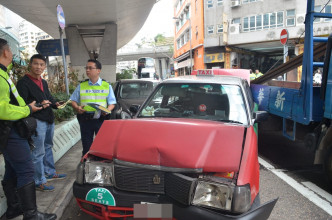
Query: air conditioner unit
{"x":234,"y":28}
{"x":235,"y":3}
{"x":300,"y":19}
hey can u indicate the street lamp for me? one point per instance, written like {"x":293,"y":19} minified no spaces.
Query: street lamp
{"x":190,"y":52}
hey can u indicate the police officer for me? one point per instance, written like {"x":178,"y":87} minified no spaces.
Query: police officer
{"x":18,"y":182}
{"x":93,"y":90}
{"x":255,"y":75}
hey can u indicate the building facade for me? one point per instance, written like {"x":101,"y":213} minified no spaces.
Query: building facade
{"x":29,"y":36}
{"x":246,"y":33}
{"x":189,"y":36}
{"x":241,"y":33}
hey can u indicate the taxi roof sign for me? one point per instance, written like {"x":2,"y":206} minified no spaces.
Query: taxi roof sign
{"x":242,"y":73}
{"x":208,"y":72}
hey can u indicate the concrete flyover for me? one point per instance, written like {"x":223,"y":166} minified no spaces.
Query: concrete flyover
{"x":161,"y":54}
{"x":93,"y":28}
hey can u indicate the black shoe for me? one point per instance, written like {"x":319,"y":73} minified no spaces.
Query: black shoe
{"x":13,"y":205}
{"x":27,"y":195}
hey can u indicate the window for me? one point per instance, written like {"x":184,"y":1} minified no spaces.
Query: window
{"x":210,"y":29}
{"x":178,"y":44}
{"x":220,"y":28}
{"x":317,"y":9}
{"x":266,"y":21}
{"x":273,"y":20}
{"x":280,"y":19}
{"x":328,"y":9}
{"x":252,"y":23}
{"x":290,"y":17}
{"x":246,"y":24}
{"x":219,"y":2}
{"x":186,"y":37}
{"x":188,"y":14}
{"x":259,"y":22}
{"x":247,"y":1}
{"x":178,"y":6}
{"x":209,"y":3}
{"x":236,"y":21}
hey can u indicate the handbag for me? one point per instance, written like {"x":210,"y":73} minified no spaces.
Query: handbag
{"x":26,"y":127}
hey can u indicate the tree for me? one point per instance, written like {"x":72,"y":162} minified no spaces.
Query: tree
{"x":126,"y":74}
{"x":159,"y":39}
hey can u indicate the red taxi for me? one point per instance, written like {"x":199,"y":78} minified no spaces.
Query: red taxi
{"x":192,"y":144}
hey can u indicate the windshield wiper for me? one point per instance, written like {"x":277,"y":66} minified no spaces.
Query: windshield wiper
{"x":230,"y":121}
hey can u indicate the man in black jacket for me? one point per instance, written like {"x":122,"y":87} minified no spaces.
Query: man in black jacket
{"x":18,"y":183}
{"x":33,"y":88}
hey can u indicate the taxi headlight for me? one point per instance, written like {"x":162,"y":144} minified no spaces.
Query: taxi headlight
{"x":241,"y":199}
{"x":98,"y":173}
{"x":213,"y":195}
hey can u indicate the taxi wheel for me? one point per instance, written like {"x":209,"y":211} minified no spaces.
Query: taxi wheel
{"x":328,"y":165}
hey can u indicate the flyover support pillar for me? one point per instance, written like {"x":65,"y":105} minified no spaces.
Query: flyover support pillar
{"x":164,"y":68}
{"x":158,"y":68}
{"x":108,"y":52}
{"x":78,"y":51}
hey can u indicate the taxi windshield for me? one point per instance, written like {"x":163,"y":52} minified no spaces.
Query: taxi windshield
{"x":214,"y":102}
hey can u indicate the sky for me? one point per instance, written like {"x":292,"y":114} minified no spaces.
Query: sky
{"x":159,"y":21}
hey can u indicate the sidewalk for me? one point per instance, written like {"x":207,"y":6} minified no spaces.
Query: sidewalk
{"x":56,"y":201}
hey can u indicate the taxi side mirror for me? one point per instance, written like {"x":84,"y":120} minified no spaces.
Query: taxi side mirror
{"x":134,"y":108}
{"x":260,"y":116}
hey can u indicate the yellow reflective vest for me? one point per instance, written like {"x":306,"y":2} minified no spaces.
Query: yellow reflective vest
{"x":254,"y":76}
{"x":94,"y":94}
{"x":10,"y":111}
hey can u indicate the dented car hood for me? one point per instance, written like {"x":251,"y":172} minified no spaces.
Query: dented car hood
{"x":180,"y":143}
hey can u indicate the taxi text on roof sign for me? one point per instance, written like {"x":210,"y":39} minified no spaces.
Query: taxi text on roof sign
{"x":205,"y":72}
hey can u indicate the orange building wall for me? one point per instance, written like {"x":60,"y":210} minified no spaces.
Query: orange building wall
{"x":199,"y":59}
{"x":197,"y":20}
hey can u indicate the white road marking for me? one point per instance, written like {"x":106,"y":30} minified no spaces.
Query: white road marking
{"x":318,"y":190}
{"x":306,"y":192}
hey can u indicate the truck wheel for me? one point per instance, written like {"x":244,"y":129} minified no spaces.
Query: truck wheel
{"x":328,"y":165}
